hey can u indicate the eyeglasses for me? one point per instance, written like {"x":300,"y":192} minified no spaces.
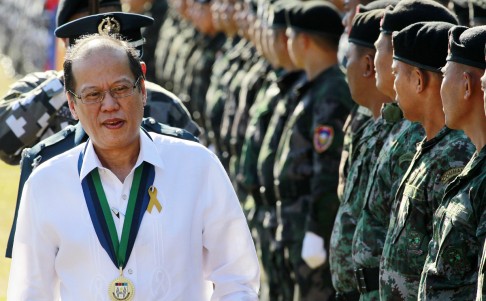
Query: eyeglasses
{"x":97,"y":96}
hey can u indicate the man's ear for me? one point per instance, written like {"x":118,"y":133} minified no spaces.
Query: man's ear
{"x":370,"y":66}
{"x":144,"y":67}
{"x":72,"y":105}
{"x":420,"y":80}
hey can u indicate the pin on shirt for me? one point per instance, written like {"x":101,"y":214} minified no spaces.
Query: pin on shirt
{"x":152,"y":191}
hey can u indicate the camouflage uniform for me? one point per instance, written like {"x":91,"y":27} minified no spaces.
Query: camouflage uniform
{"x":459,"y":230}
{"x":238,"y":80}
{"x":167,"y":33}
{"x":364,"y":150}
{"x":247,"y":178}
{"x":399,"y":137}
{"x":223,"y":70}
{"x":198,"y":76}
{"x":435,"y":164}
{"x":64,"y":140}
{"x":306,"y":173}
{"x":36,"y":107}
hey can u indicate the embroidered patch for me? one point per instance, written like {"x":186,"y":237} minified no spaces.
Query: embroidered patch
{"x":454,"y":258}
{"x":405,"y":158}
{"x":323,"y":136}
{"x":450,"y":174}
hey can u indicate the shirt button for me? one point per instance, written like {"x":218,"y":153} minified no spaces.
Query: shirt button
{"x":130,"y":271}
{"x":124,"y":196}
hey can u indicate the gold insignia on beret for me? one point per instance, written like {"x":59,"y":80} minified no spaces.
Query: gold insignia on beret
{"x":109,"y":26}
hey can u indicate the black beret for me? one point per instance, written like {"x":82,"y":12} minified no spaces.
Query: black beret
{"x":366,"y":28}
{"x":413,"y":45}
{"x":315,"y":16}
{"x":479,"y":10}
{"x":378,"y":4}
{"x":124,"y":24}
{"x":408,"y":12}
{"x":277,"y":14}
{"x":67,"y":8}
{"x":466,"y":45}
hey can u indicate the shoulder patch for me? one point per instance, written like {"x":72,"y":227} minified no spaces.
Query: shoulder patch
{"x":451,"y":174}
{"x":323,"y":136}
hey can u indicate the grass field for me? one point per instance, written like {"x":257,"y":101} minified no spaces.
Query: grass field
{"x":9,"y":177}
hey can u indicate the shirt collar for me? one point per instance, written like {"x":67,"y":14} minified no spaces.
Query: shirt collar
{"x":148,"y":153}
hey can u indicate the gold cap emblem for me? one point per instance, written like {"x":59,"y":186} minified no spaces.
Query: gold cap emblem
{"x":109,"y":26}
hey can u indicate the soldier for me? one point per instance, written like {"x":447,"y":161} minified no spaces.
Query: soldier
{"x":288,"y":79}
{"x":397,"y":150}
{"x":307,"y":160}
{"x":451,"y":267}
{"x":36,"y":108}
{"x":200,"y":63}
{"x":358,"y":155}
{"x":440,"y":156}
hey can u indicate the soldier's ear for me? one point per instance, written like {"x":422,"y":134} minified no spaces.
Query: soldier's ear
{"x":370,"y":66}
{"x":144,"y":67}
{"x":72,"y":106}
{"x":420,"y":81}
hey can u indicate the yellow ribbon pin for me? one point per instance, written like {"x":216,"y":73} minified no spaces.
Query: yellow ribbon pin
{"x":153,"y":200}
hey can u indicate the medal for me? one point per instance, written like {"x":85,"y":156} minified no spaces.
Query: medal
{"x":121,"y":289}
{"x":119,"y":250}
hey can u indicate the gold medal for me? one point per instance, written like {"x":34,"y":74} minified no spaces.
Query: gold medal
{"x":121,"y":289}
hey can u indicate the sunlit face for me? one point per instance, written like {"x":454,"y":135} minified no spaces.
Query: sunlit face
{"x":113,"y":123}
{"x":404,"y":89}
{"x":293,"y":47}
{"x":355,"y":68}
{"x":383,"y":62}
{"x":216,"y":14}
{"x":451,"y":92}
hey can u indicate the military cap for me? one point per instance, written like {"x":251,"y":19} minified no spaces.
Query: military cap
{"x":126,"y":25}
{"x":277,"y":14}
{"x":412,"y":45}
{"x":479,"y":11}
{"x":67,"y":8}
{"x":366,"y":28}
{"x":378,"y":4}
{"x":315,"y":16}
{"x":408,"y":12}
{"x":466,"y":46}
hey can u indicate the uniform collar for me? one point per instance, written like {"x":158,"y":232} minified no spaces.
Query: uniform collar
{"x":148,"y":153}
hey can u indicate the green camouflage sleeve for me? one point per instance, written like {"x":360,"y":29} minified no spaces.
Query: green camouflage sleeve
{"x":459,"y":232}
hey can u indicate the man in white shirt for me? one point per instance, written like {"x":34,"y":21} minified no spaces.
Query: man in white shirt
{"x":128,"y":215}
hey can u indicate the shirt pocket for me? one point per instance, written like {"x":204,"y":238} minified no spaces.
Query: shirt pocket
{"x":458,"y":245}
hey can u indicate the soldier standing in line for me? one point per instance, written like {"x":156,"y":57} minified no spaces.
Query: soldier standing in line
{"x":459,"y":225}
{"x":307,"y":160}
{"x":397,"y":150}
{"x":35,"y":108}
{"x":236,"y":51}
{"x":259,"y":115}
{"x":440,"y":157}
{"x":288,"y":80}
{"x":361,"y":151}
{"x":199,"y":65}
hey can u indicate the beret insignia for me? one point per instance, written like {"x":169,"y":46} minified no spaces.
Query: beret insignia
{"x":109,"y":25}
